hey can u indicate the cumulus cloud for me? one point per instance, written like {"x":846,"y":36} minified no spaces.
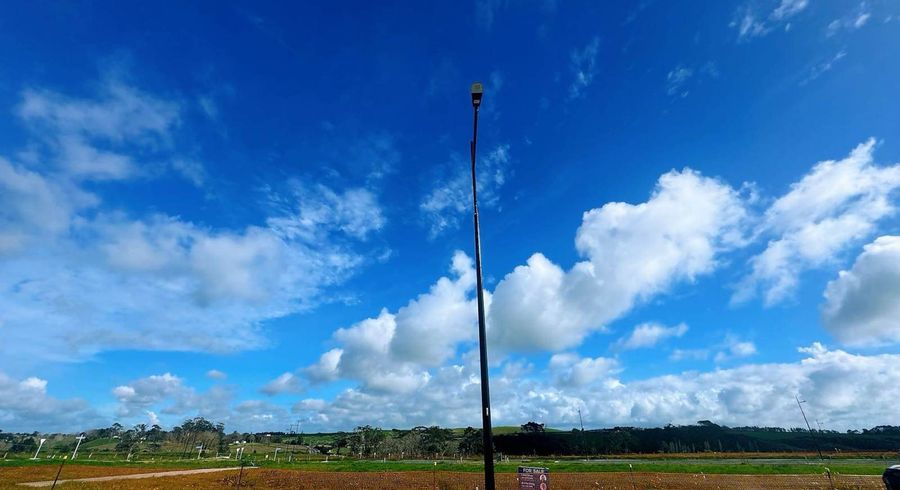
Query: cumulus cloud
{"x":836,"y":204}
{"x":650,"y":334}
{"x":25,"y":406}
{"x":861,"y":304}
{"x":394,"y":351}
{"x":142,"y":394}
{"x":735,"y":349}
{"x":284,"y":383}
{"x":216,"y":375}
{"x":450,"y":200}
{"x":846,"y":389}
{"x":167,"y":400}
{"x":569,"y":369}
{"x":632,"y":253}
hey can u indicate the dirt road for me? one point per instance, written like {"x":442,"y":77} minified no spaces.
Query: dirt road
{"x":157,"y":474}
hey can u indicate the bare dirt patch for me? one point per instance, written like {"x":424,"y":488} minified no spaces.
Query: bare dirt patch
{"x":420,"y":480}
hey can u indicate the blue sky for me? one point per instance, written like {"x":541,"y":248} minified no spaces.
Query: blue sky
{"x":259,"y":213}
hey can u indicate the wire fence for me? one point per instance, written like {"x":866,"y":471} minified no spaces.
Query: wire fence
{"x":440,"y":480}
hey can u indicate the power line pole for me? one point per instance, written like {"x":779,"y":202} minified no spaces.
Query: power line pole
{"x":815,"y":436}
{"x":581,"y":421}
{"x":477,"y":93}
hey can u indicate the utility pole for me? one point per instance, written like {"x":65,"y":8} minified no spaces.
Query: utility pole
{"x":581,"y":422}
{"x":477,"y":93}
{"x":815,"y":436}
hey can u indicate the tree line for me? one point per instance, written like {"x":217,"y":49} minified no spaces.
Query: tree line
{"x":427,"y":442}
{"x":704,"y":436}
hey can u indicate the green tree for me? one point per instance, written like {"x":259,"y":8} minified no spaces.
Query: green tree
{"x":472,"y":442}
{"x":533,"y":427}
{"x":435,"y":439}
{"x":366,"y":441}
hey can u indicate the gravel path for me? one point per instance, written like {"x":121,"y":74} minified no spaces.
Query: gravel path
{"x":157,"y":474}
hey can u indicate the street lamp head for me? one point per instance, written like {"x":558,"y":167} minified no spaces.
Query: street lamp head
{"x":477,"y":92}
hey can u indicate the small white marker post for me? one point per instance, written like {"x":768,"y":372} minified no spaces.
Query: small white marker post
{"x":75,"y":452}
{"x":39,"y":448}
{"x":276,"y":453}
{"x":199,"y":450}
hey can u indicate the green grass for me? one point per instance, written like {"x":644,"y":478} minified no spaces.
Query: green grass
{"x":789,"y":467}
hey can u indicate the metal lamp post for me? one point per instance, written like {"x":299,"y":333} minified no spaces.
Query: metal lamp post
{"x":477,"y":93}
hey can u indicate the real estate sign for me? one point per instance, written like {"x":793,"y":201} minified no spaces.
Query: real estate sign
{"x":532,"y":478}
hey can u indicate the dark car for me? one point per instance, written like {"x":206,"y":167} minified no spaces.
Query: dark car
{"x":891,"y":477}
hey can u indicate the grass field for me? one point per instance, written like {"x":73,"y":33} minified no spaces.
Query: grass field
{"x":752,"y":470}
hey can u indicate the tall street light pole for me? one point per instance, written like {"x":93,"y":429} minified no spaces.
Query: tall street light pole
{"x":477,"y":92}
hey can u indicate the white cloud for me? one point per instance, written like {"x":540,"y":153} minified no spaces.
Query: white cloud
{"x":823,"y":67}
{"x":309,"y":211}
{"x":680,"y":79}
{"x":751,"y":23}
{"x":583,"y":67}
{"x":633,"y":253}
{"x":285,"y":383}
{"x":429,"y":327}
{"x":191,"y":170}
{"x":843,"y":388}
{"x":861,"y":304}
{"x":850,"y":22}
{"x":735,"y":349}
{"x":393,"y":351}
{"x":848,"y":390}
{"x":676,"y":79}
{"x":34,"y":207}
{"x":450,"y":200}
{"x":216,"y":375}
{"x":166,"y":399}
{"x":789,"y":8}
{"x":145,"y":393}
{"x":650,"y":334}
{"x":169,"y":396}
{"x":833,"y":206}
{"x":568,"y":369}
{"x":120,"y":119}
{"x":327,"y":367}
{"x":25,"y":406}
{"x":689,"y":354}
{"x":79,"y":277}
